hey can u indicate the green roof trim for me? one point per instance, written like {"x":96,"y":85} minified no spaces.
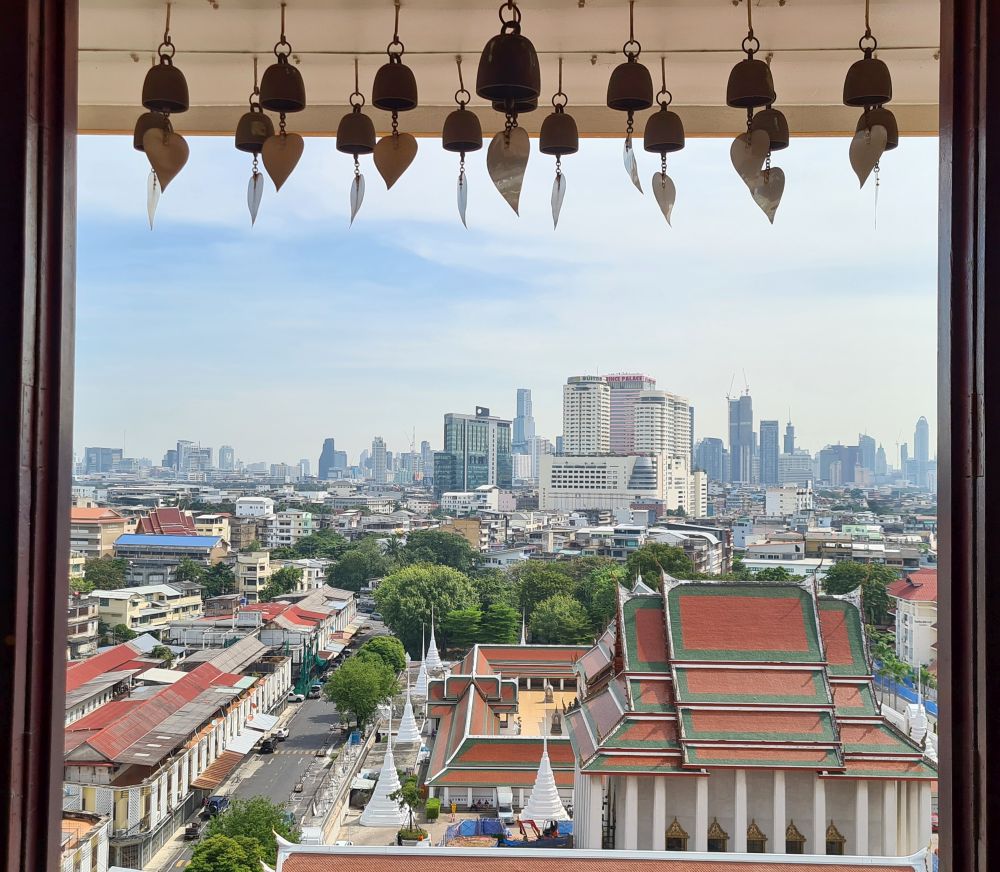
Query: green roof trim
{"x":613,"y":763}
{"x":635,"y":689}
{"x":868,"y":708}
{"x":872,"y":769}
{"x":641,"y":602}
{"x":779,"y":759}
{"x":855,"y":636}
{"x":619,"y":737}
{"x":751,"y":590}
{"x":827,"y":732}
{"x":750,"y":694}
{"x":896,"y":744}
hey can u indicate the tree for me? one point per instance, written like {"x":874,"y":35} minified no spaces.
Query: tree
{"x":257,"y":819}
{"x":122,"y":633}
{"x":440,"y":548}
{"x":282,"y":581}
{"x":360,"y":685}
{"x":218,"y":580}
{"x":460,"y":627}
{"x":323,"y":544}
{"x":560,"y":620}
{"x":358,"y":566}
{"x":81,"y":585}
{"x":405,"y":598}
{"x":189,"y":570}
{"x":598,"y":594}
{"x":162,"y":652}
{"x":500,"y":624}
{"x":389,"y":650}
{"x":105,"y":573}
{"x":655,"y":558}
{"x":873,"y":578}
{"x":409,"y":797}
{"x":226,"y":854}
{"x":773,"y":573}
{"x":536,"y":581}
{"x":494,"y":587}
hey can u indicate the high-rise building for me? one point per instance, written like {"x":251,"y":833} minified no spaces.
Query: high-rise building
{"x":625,"y":389}
{"x":98,"y":460}
{"x":304,"y":468}
{"x":662,"y":423}
{"x":881,"y":465}
{"x":710,"y":458}
{"x":327,"y":458}
{"x":198,"y":459}
{"x":380,"y":469}
{"x":866,"y":452}
{"x":170,"y":458}
{"x":741,"y":440}
{"x":796,"y":468}
{"x":921,"y":450}
{"x":427,"y":461}
{"x":227,"y":458}
{"x":184,"y":446}
{"x":538,"y":447}
{"x":476,"y":452}
{"x":836,"y":464}
{"x":524,"y":423}
{"x":769,"y":452}
{"x":586,"y":415}
{"x":789,"y":444}
{"x":904,"y":456}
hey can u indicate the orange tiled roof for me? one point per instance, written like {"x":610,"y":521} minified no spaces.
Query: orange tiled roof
{"x":919,"y":586}
{"x":92,"y":514}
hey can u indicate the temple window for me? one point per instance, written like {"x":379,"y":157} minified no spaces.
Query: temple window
{"x":834,"y":841}
{"x":718,"y":838}
{"x":795,"y":842}
{"x":677,"y":837}
{"x":756,"y":840}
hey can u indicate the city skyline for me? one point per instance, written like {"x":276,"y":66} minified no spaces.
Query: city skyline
{"x":419,"y":353}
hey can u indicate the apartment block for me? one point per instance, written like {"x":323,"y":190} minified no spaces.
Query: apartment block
{"x":93,"y":531}
{"x":149,"y":608}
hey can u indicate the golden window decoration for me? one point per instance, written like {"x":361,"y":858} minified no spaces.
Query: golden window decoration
{"x":677,"y":837}
{"x":795,"y":842}
{"x":834,"y":841}
{"x":756,"y":840}
{"x":718,"y":838}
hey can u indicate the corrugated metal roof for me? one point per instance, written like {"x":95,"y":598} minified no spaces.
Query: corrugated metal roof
{"x":79,"y":673}
{"x":152,"y":540}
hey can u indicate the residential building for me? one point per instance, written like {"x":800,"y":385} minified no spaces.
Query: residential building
{"x":184,"y":447}
{"x":154,"y":559}
{"x":283,"y":473}
{"x":81,"y":627}
{"x":710,"y":457}
{"x":93,"y":531}
{"x":77,"y":564}
{"x":915,"y":600}
{"x":100,"y":460}
{"x":482,"y":533}
{"x":586,"y":415}
{"x":149,"y":608}
{"x":227,"y":458}
{"x":254,"y":507}
{"x":287,"y":528}
{"x":705,"y":549}
{"x":787,"y":500}
{"x":486,"y":497}
{"x":84,"y":842}
{"x":252,"y":571}
{"x":477,"y":451}
{"x":538,"y":446}
{"x":426,"y":462}
{"x":625,"y":388}
{"x":693,"y":755}
{"x":243,"y":532}
{"x":522,"y":468}
{"x":741,"y":439}
{"x":795,"y":469}
{"x":313,"y":571}
{"x":662,"y":423}
{"x":769,"y":452}
{"x":213,"y":525}
{"x":524,"y":423}
{"x":167,"y":522}
{"x":380,"y":473}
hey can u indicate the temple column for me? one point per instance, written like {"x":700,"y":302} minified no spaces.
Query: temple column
{"x":527,"y":684}
{"x":520,"y":797}
{"x":819,"y":816}
{"x":631,"y":821}
{"x":701,"y":814}
{"x":888,"y":818}
{"x":595,"y":812}
{"x":924,"y":824}
{"x":902,"y":818}
{"x":446,"y":797}
{"x":860,"y":818}
{"x":740,"y":812}
{"x":562,"y":683}
{"x":779,"y":822}
{"x":659,"y":814}
{"x":468,"y":798}
{"x":913,"y":809}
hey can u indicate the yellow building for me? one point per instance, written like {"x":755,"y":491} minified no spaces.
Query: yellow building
{"x":149,"y":607}
{"x":93,"y":531}
{"x":213,"y":525}
{"x":253,"y":569}
{"x":84,"y":843}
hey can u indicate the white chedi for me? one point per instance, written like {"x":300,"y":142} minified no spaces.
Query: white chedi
{"x":544,"y":803}
{"x":382,"y":811}
{"x":420,"y":685}
{"x":433,"y":659}
{"x":408,"y":732}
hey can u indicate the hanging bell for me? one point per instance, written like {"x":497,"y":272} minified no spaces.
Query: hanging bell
{"x":883,"y":116}
{"x":356,"y":133}
{"x":559,"y":135}
{"x":165,"y":89}
{"x":868,"y":82}
{"x":462,"y":131}
{"x":508,"y":66}
{"x":148,"y":121}
{"x":282,"y":88}
{"x":664,"y":131}
{"x":630,"y":87}
{"x":750,"y":85}
{"x":395,"y":88}
{"x":251,"y":131}
{"x":773,"y":122}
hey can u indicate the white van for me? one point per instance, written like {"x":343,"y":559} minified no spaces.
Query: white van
{"x":505,"y":805}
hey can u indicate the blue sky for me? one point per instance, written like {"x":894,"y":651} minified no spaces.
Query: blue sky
{"x":272,"y":338}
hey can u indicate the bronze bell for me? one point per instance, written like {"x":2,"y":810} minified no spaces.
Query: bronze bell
{"x":773,"y":122}
{"x":868,"y":82}
{"x":356,"y":133}
{"x":559,"y":135}
{"x":165,"y":89}
{"x":516,"y":107}
{"x":630,"y":87}
{"x":251,"y":131}
{"x":664,"y":131}
{"x":508,"y":67}
{"x":282,"y":88}
{"x":462,"y":131}
{"x":395,"y":88}
{"x":147,"y":121}
{"x":883,"y":116}
{"x":750,"y":85}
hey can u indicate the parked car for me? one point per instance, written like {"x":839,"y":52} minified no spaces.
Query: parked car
{"x":295,"y":697}
{"x":376,"y":616}
{"x":281,"y":733}
{"x":315,"y":691}
{"x":217,"y":804}
{"x":267,"y":746}
{"x":192,"y":831}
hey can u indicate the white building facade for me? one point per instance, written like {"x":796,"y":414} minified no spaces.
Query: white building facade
{"x":787,"y":500}
{"x":586,"y":415}
{"x":662,"y":423}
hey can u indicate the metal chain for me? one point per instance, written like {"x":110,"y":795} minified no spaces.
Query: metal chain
{"x":357,"y":166}
{"x":281,"y":124}
{"x":629,"y":128}
{"x":558,"y":166}
{"x":395,"y":123}
{"x":663,"y":166}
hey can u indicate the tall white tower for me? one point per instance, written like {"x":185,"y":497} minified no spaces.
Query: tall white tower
{"x":586,"y":415}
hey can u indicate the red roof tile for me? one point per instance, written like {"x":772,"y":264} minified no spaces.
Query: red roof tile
{"x":112,"y":660}
{"x":651,"y":636}
{"x":743,"y":623}
{"x":919,"y":586}
{"x":771,"y":722}
{"x":86,"y":514}
{"x":167,"y":522}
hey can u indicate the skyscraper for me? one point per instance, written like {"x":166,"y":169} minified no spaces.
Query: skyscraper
{"x":769,"y":452}
{"x":881,"y":466}
{"x":710,"y":458}
{"x":327,"y":458}
{"x":100,"y":459}
{"x":427,"y":461}
{"x":866,"y":452}
{"x":524,"y":423}
{"x":184,"y":447}
{"x":227,"y":458}
{"x":304,"y":468}
{"x":789,"y":444}
{"x":921,"y":450}
{"x":379,"y":461}
{"x":741,"y":439}
{"x":586,"y":415}
{"x":625,"y":389}
{"x":476,"y":452}
{"x":662,"y":423}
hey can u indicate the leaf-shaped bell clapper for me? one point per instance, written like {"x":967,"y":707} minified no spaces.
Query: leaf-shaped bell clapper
{"x":148,"y":121}
{"x":356,"y":133}
{"x":559,"y":135}
{"x":879,"y":115}
{"x":253,"y":128}
{"x":630,"y":87}
{"x":282,"y":88}
{"x":395,"y":87}
{"x":508,"y":65}
{"x":773,"y":122}
{"x":664,"y":131}
{"x":165,"y":89}
{"x":462,"y":131}
{"x":868,"y":82}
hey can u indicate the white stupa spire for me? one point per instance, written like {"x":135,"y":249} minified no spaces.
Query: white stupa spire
{"x":544,"y":803}
{"x":524,"y":640}
{"x":433,"y":658}
{"x":382,"y":811}
{"x":408,"y":732}
{"x":420,"y":687}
